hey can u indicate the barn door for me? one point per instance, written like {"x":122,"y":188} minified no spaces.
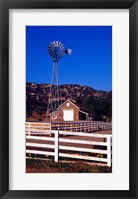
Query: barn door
{"x":68,"y":115}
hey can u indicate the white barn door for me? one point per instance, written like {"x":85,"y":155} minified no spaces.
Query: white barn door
{"x":68,"y":115}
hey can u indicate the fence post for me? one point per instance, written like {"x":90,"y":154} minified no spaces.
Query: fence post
{"x":96,"y":126}
{"x":71,"y":127}
{"x":50,"y":126}
{"x":76,"y":127}
{"x":29,"y":129}
{"x":58,"y":126}
{"x":88,"y":127}
{"x":109,"y":151}
{"x":56,"y":145}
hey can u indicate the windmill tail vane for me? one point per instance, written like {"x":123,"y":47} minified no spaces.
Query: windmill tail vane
{"x":68,"y":51}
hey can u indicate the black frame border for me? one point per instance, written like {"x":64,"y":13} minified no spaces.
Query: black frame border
{"x":5,"y":5}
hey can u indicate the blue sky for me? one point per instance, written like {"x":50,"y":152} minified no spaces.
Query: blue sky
{"x":90,"y":63}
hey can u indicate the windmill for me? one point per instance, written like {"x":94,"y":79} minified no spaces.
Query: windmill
{"x":56,"y":50}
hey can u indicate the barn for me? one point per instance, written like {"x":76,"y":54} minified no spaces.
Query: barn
{"x":68,"y":111}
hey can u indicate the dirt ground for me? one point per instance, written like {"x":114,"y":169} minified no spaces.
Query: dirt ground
{"x":41,"y":166}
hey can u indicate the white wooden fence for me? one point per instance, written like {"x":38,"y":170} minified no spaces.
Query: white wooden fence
{"x":85,"y":126}
{"x":35,"y":127}
{"x":73,"y":145}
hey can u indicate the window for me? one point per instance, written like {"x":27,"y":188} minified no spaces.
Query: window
{"x":68,"y":104}
{"x":54,"y":117}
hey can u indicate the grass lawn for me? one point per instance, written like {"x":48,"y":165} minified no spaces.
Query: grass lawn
{"x":43,"y":166}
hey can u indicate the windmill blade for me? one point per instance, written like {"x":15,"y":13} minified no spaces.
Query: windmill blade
{"x":50,"y":47}
{"x":61,"y":46}
{"x":62,"y":53}
{"x":51,"y":54}
{"x":54,"y":43}
{"x":62,"y":49}
{"x":50,"y":51}
{"x":59,"y":56}
{"x":59,"y":43}
{"x":54,"y":55}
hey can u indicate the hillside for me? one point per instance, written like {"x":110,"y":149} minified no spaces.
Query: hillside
{"x":37,"y":98}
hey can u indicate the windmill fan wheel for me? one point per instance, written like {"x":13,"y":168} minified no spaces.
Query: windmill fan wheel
{"x":56,"y":50}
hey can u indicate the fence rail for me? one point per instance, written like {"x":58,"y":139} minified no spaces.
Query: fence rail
{"x":72,"y":145}
{"x":81,"y":126}
{"x":84,"y":126}
{"x":35,"y":127}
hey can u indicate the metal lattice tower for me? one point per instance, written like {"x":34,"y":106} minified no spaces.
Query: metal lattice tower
{"x":56,"y":50}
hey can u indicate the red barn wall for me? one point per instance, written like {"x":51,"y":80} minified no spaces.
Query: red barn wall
{"x":59,"y":113}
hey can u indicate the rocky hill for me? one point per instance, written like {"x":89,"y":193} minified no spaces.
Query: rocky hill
{"x":37,"y":96}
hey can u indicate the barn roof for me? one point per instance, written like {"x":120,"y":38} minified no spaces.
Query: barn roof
{"x":81,"y":107}
{"x":78,"y":106}
{"x":72,"y":102}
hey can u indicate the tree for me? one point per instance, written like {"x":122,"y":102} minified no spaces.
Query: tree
{"x":100,"y":107}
